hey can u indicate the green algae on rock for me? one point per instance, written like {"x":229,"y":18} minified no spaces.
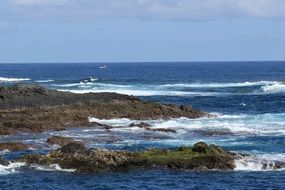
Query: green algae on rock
{"x":101,"y":160}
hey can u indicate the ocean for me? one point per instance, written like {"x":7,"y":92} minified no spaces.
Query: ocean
{"x":248,"y":99}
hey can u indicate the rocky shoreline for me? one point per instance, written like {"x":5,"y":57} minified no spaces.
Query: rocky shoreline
{"x":29,"y":108}
{"x":35,"y":109}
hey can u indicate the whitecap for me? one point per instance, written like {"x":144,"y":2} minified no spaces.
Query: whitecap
{"x":52,"y":167}
{"x":263,"y":124}
{"x":44,"y":81}
{"x":179,"y":89}
{"x":11,"y":168}
{"x":277,"y":87}
{"x":3,"y":79}
{"x":258,"y":163}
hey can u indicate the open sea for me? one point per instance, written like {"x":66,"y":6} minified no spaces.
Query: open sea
{"x":247,"y":97}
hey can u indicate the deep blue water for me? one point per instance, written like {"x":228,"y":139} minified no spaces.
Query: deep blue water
{"x":248,"y":97}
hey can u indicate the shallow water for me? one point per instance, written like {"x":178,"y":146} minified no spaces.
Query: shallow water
{"x":248,"y":99}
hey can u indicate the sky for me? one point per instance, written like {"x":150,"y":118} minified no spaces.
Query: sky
{"x":55,"y":31}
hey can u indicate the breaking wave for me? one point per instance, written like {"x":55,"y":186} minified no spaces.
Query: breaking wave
{"x":3,"y":79}
{"x":52,"y":167}
{"x":44,"y":81}
{"x":186,"y":89}
{"x":263,"y":124}
{"x":11,"y":168}
{"x":261,"y":162}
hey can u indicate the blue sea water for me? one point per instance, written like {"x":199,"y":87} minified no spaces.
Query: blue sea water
{"x":247,"y":97}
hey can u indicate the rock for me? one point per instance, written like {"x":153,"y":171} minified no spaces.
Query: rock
{"x":164,"y":130}
{"x":62,"y":141}
{"x":213,"y":132}
{"x":141,"y":125}
{"x":147,"y":126}
{"x":74,"y":147}
{"x":30,"y":108}
{"x":14,"y":146}
{"x":200,"y":147}
{"x":3,"y":162}
{"x":76,"y":156}
{"x":104,"y":126}
{"x":278,"y":165}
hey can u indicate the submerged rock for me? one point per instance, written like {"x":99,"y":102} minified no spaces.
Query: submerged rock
{"x":141,"y":125}
{"x":76,"y":156}
{"x":164,"y":130}
{"x":147,"y":126}
{"x":3,"y":162}
{"x":13,"y":146}
{"x":60,"y":140}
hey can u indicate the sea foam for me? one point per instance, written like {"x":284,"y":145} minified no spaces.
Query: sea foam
{"x":3,"y":79}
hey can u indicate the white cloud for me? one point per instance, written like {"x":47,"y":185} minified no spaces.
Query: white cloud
{"x":151,"y":9}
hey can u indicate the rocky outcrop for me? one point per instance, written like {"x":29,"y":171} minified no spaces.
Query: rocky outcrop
{"x":35,"y":109}
{"x":146,"y":126}
{"x":14,"y":146}
{"x":58,"y":140}
{"x":201,"y":157}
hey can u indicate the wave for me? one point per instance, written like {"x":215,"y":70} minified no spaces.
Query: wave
{"x":260,"y":163}
{"x":220,"y":85}
{"x":44,"y":81}
{"x":146,"y":92}
{"x":263,"y":124}
{"x":273,"y":88}
{"x":52,"y":167}
{"x":3,"y":79}
{"x":11,"y":168}
{"x":182,"y":89}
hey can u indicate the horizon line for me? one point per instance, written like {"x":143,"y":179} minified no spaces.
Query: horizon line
{"x":111,"y":62}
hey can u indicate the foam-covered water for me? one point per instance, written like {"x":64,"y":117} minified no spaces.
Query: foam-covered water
{"x":187,"y":89}
{"x":4,"y":79}
{"x":248,"y":99}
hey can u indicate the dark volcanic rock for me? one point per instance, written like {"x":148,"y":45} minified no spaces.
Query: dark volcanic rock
{"x":3,"y":162}
{"x":76,"y":156}
{"x":164,"y":130}
{"x":75,"y":147}
{"x":148,"y":127}
{"x":35,"y":109}
{"x":60,"y":140}
{"x":14,"y":146}
{"x":141,"y":125}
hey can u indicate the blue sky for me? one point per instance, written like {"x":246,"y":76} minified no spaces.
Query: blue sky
{"x":141,"y":30}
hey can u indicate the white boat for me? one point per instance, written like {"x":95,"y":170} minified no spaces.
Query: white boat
{"x":103,"y":67}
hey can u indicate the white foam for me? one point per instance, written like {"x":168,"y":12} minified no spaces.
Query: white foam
{"x":144,"y":92}
{"x":257,"y":163}
{"x":3,"y":79}
{"x":264,"y":124}
{"x":273,"y":88}
{"x":44,"y":81}
{"x":219,"y":85}
{"x":4,"y":152}
{"x":11,"y":168}
{"x":169,"y":89}
{"x":113,"y":122}
{"x":52,"y":167}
